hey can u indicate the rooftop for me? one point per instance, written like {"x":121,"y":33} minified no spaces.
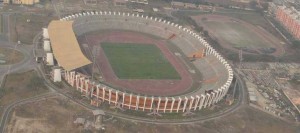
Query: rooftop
{"x":65,"y":46}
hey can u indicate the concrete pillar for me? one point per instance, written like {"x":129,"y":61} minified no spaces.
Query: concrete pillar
{"x":166,"y":102}
{"x":203,"y":98}
{"x":152,"y":100}
{"x":57,"y":75}
{"x":172,"y":105}
{"x":185,"y":103}
{"x":217,"y":96}
{"x":213,"y":94}
{"x":191,"y":102}
{"x":197,"y":102}
{"x":117,"y":96}
{"x":81,"y":84}
{"x":179,"y":103}
{"x":223,"y":92}
{"x":103,"y":93}
{"x":45,"y":33}
{"x":97,"y":91}
{"x":86,"y":86}
{"x":158,"y":104}
{"x":130,"y":100}
{"x":137,"y":102}
{"x":72,"y":78}
{"x":47,"y":47}
{"x":77,"y":77}
{"x":109,"y":96}
{"x":123,"y":100}
{"x":144,"y":103}
{"x":92,"y":91}
{"x":207,"y":100}
{"x":49,"y":59}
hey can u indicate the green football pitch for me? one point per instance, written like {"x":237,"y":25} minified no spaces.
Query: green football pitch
{"x":138,"y":61}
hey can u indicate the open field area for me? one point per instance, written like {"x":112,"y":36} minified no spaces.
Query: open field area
{"x":53,"y":115}
{"x":238,"y":35}
{"x":138,"y":61}
{"x":10,"y":56}
{"x":21,"y":85}
{"x":244,"y":120}
{"x":235,"y":34}
{"x":24,"y":27}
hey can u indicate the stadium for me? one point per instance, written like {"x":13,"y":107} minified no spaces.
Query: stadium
{"x":136,"y":62}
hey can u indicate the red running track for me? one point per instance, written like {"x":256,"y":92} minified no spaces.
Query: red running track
{"x":141,"y":86}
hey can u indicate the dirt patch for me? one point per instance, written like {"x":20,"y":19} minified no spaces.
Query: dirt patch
{"x":55,"y":115}
{"x":19,"y":86}
{"x":244,"y":120}
{"x":151,"y":87}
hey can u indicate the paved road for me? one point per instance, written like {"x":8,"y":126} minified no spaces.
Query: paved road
{"x":26,"y":64}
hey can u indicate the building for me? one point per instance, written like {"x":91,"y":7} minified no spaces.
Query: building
{"x":120,"y":2}
{"x":69,"y":57}
{"x":24,"y":2}
{"x":289,"y":17}
{"x":139,"y":1}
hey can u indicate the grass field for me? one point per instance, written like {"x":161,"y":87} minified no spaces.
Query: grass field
{"x":138,"y":61}
{"x":236,"y":34}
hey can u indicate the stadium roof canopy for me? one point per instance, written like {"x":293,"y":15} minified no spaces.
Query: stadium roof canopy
{"x":65,"y":47}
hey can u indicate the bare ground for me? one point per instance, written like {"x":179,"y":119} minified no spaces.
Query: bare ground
{"x":245,"y":120}
{"x":55,"y":115}
{"x":267,"y":37}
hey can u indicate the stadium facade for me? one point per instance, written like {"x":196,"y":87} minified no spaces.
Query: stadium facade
{"x":69,"y":57}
